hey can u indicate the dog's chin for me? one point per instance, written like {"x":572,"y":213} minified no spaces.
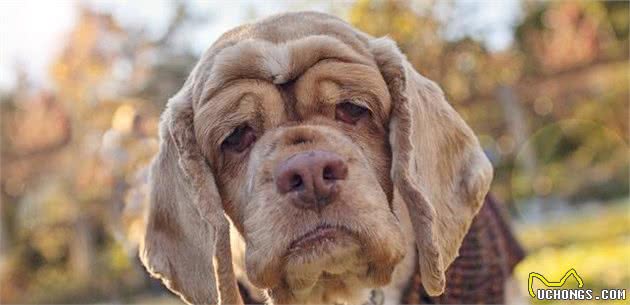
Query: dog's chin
{"x":328,"y":265}
{"x":324,"y":251}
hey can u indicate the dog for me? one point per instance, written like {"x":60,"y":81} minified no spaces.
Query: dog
{"x":306,"y":162}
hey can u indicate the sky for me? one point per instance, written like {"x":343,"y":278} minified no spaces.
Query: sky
{"x":31,"y":31}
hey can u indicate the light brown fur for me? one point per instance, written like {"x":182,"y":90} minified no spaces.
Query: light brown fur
{"x":416,"y":173}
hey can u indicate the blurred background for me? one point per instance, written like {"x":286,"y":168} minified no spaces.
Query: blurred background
{"x":545,"y":85}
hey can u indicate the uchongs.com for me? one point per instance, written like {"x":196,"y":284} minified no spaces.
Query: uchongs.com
{"x":580,"y":294}
{"x":557,"y":293}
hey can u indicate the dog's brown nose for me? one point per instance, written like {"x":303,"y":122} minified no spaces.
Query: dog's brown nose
{"x":311,"y":177}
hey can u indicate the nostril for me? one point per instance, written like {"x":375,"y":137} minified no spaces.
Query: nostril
{"x":329,"y":173}
{"x":336,"y":170}
{"x":296,"y":182}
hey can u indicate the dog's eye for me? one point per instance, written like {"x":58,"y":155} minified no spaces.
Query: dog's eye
{"x":240,"y":139}
{"x":350,"y":113}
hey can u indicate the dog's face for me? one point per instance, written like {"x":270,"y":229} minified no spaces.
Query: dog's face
{"x":305,"y":139}
{"x":303,"y":172}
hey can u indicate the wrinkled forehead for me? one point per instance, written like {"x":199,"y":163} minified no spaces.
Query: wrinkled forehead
{"x":277,"y":50}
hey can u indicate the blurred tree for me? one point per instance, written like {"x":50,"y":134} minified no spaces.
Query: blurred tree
{"x":79,"y":146}
{"x":575,"y":87}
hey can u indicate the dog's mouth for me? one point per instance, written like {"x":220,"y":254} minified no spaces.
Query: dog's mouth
{"x":321,"y":236}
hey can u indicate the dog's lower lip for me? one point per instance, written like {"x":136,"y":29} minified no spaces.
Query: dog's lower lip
{"x":317,"y":236}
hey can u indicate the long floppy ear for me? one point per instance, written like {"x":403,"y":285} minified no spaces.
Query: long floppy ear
{"x":438,"y":166}
{"x":186,"y":226}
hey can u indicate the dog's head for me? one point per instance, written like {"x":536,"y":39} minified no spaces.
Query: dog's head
{"x":304,"y":131}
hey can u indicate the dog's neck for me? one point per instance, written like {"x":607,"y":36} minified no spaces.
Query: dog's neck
{"x":387,"y":295}
{"x":378,"y":296}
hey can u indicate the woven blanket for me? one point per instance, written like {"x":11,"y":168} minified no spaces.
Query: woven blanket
{"x":486,"y":259}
